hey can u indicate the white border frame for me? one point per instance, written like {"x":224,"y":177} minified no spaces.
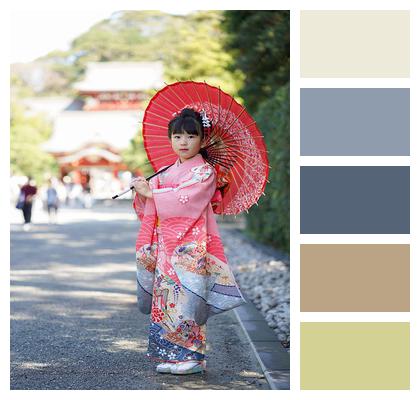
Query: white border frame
{"x":296,"y":161}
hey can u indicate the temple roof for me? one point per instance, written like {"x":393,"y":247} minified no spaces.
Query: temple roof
{"x":121,"y":76}
{"x":75,"y":129}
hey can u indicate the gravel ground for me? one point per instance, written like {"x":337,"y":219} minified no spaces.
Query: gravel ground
{"x":263,"y":275}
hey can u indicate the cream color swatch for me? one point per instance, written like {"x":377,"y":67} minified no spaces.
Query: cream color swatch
{"x":355,"y":44}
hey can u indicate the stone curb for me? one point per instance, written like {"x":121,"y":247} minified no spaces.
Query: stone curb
{"x":273,"y":358}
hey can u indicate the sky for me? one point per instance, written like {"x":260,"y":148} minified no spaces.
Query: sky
{"x":34,"y":33}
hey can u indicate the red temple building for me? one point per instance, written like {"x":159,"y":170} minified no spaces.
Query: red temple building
{"x":90,"y":134}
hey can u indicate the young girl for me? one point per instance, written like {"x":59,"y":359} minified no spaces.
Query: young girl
{"x":182,"y":272}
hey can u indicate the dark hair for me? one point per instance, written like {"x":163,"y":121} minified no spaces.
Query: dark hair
{"x":188,"y":121}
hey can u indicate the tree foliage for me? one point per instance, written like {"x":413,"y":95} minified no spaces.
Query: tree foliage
{"x":27,"y":133}
{"x":259,"y":41}
{"x":135,"y":157}
{"x":269,"y":221}
{"x":199,"y":52}
{"x":190,"y":47}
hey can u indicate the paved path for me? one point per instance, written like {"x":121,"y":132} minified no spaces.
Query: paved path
{"x":74,"y":319}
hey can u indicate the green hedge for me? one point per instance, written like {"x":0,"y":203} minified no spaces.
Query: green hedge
{"x":269,"y":222}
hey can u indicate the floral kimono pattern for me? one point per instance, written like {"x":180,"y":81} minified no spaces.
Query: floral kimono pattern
{"x":182,"y":273}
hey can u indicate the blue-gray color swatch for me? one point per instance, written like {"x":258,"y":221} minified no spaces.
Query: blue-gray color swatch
{"x":355,"y":122}
{"x":354,"y":199}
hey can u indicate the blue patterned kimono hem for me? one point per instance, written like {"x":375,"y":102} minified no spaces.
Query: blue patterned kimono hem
{"x":162,"y":349}
{"x":141,"y":287}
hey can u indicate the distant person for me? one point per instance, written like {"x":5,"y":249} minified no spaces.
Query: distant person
{"x":26,"y":196}
{"x":87,"y":197}
{"x":61,"y":192}
{"x":75,"y":195}
{"x":52,"y":203}
{"x":68,"y":185}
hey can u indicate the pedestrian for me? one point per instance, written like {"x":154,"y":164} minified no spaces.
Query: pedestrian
{"x":182,"y":273}
{"x":52,"y":202}
{"x":68,"y":185}
{"x":26,"y":196}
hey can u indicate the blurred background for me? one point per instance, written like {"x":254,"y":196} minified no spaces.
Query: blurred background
{"x":76,"y":113}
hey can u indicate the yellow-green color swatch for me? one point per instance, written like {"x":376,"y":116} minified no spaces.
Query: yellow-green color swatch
{"x":355,"y":355}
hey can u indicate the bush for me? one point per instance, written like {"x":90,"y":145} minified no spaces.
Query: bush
{"x":269,"y":221}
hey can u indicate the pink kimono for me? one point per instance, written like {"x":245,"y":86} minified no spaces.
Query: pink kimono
{"x":182,"y":272}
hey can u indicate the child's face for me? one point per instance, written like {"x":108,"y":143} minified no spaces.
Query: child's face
{"x":186,"y":145}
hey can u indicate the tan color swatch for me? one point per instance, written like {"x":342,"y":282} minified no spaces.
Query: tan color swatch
{"x":354,"y":277}
{"x":355,"y":44}
{"x":355,"y":355}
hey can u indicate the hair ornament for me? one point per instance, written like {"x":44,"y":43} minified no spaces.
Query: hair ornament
{"x":205,"y":119}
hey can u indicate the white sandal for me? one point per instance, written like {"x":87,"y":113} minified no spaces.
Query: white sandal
{"x":189,"y":367}
{"x":164,"y":368}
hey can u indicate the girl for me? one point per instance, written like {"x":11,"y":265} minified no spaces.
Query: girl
{"x":182,"y":272}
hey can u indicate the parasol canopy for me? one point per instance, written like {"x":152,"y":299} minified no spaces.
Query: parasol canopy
{"x":234,"y":145}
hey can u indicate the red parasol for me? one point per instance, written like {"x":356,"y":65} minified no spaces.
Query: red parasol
{"x":233,"y":145}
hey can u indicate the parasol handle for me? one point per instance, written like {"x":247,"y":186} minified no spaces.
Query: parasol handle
{"x":147,"y":179}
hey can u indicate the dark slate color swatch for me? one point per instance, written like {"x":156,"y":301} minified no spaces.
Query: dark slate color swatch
{"x":355,"y":122}
{"x":354,"y":199}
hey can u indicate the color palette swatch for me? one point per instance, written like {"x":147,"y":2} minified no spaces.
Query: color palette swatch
{"x":355,"y":199}
{"x":355,"y":278}
{"x":355,"y":355}
{"x":355,"y":44}
{"x":355,"y":122}
{"x":363,"y":197}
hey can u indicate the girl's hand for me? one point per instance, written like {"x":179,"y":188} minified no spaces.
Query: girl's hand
{"x":141,"y":186}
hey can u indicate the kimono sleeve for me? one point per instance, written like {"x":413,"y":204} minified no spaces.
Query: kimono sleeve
{"x":190,"y":198}
{"x":139,"y":203}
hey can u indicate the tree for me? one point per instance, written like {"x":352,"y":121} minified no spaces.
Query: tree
{"x":260,"y":44}
{"x":190,"y":47}
{"x":199,"y":52}
{"x":269,"y":221}
{"x":26,"y":136}
{"x":135,"y":157}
